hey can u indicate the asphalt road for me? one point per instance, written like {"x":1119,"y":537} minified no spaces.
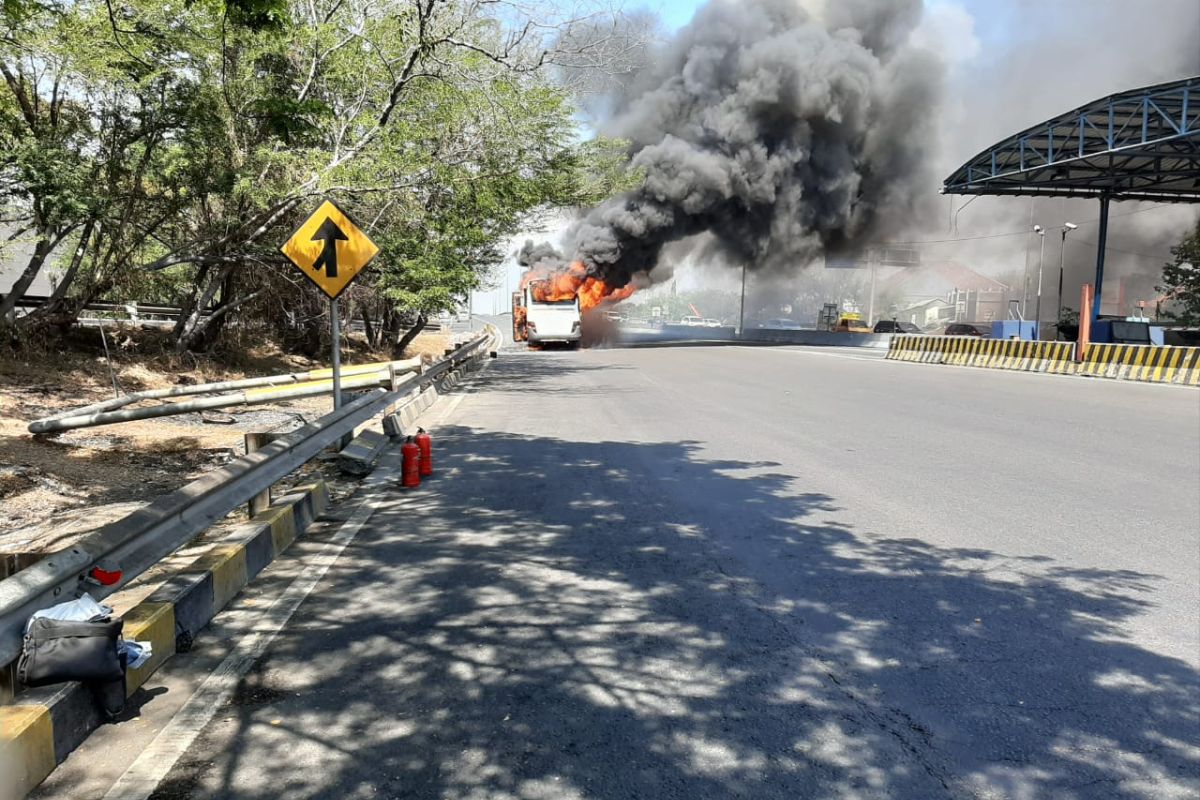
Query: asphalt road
{"x":743,"y":572}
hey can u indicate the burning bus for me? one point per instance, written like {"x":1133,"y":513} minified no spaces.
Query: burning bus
{"x":551,"y":304}
{"x":540,"y":318}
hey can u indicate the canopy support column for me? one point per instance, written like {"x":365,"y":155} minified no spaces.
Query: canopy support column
{"x":1101,"y":244}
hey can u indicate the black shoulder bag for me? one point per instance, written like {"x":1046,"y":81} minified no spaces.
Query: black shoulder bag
{"x":59,"y":650}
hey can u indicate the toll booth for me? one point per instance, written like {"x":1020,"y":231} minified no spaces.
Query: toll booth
{"x":1121,"y":331}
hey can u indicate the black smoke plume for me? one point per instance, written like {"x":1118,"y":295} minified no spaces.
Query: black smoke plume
{"x":777,"y":133}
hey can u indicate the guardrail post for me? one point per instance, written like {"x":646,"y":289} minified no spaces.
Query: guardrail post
{"x":261,"y":501}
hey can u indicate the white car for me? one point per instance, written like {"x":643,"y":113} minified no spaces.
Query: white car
{"x":693,"y":322}
{"x":712,"y":323}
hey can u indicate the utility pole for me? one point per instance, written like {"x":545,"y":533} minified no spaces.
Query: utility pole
{"x":873,"y":258}
{"x":742,"y":308}
{"x":1025,"y":282}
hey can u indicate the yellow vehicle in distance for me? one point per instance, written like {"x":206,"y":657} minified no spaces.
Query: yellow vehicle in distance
{"x":851,"y":323}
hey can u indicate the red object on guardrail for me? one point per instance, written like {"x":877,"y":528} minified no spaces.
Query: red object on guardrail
{"x":105,"y":577}
{"x":410,"y":466}
{"x":425,"y":445}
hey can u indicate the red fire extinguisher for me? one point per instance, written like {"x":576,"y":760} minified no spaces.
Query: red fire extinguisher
{"x":410,"y":469}
{"x":425,"y":445}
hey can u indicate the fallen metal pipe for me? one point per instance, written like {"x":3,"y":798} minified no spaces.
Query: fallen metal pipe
{"x":400,"y":367}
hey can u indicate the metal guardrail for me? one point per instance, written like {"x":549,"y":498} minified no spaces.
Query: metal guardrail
{"x":137,"y":542}
{"x":37,"y":301}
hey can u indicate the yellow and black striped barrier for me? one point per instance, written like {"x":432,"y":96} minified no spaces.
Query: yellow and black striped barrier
{"x":1139,"y":362}
{"x":975,"y":351}
{"x":1133,"y":362}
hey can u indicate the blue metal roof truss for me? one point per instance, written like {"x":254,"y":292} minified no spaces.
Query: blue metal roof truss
{"x":1142,"y":144}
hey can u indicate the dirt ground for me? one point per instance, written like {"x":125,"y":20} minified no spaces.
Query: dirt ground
{"x":55,"y":487}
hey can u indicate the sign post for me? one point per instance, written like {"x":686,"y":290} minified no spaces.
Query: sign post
{"x":335,"y":323}
{"x":331,"y":251}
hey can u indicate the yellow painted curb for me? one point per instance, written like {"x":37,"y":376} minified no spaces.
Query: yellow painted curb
{"x":320,"y":495}
{"x":282,"y":521}
{"x":26,"y":745}
{"x":154,"y":623}
{"x":228,"y":567}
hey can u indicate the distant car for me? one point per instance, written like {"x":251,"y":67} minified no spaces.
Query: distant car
{"x":895,"y":326}
{"x":696,"y":322}
{"x":781,"y":325}
{"x":712,"y":323}
{"x":966,"y":329}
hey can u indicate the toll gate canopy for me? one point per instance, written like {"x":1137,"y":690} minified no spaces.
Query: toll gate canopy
{"x":1143,"y":144}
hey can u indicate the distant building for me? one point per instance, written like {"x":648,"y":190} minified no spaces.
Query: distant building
{"x":945,"y":291}
{"x":928,"y":314}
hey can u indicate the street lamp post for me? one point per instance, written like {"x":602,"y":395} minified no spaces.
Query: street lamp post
{"x":1037,"y":309}
{"x":1062,"y":257}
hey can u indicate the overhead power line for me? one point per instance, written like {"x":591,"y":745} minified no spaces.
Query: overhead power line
{"x":1111,"y":249}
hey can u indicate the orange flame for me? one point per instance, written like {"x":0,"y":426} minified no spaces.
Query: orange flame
{"x":571,"y":282}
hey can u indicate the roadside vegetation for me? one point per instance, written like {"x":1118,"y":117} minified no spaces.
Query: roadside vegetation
{"x":161,"y":152}
{"x":1181,"y":280}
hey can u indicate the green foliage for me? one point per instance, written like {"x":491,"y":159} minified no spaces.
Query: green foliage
{"x":258,"y":15}
{"x":189,"y":137}
{"x":1181,"y":280}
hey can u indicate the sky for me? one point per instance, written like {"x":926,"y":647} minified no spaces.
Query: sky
{"x":674,"y":13}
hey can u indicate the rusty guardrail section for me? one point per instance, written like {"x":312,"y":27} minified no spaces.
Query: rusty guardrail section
{"x":137,"y":542}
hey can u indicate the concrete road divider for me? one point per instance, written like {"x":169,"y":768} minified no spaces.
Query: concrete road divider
{"x":1148,"y":363}
{"x":675,"y":334}
{"x":41,"y":726}
{"x":818,"y":338}
{"x":974,"y":351}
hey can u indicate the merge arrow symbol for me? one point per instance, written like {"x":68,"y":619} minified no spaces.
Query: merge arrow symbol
{"x":330,"y":233}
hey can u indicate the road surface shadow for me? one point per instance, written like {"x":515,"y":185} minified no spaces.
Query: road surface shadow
{"x":559,"y":619}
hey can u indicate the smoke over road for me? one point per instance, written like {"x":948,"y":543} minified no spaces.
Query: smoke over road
{"x":777,"y":133}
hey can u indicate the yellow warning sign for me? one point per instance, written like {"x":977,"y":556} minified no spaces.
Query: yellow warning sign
{"x":330,"y":249}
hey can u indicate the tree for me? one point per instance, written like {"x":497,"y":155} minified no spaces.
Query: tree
{"x":1181,"y":280}
{"x":164,"y":149}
